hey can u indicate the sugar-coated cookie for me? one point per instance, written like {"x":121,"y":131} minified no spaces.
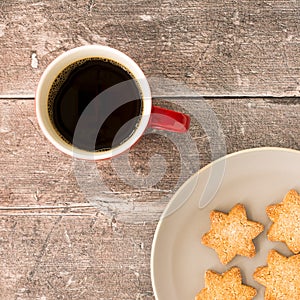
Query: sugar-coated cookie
{"x":232,"y":234}
{"x":226,"y":286}
{"x":286,"y":221}
{"x":281,"y":277}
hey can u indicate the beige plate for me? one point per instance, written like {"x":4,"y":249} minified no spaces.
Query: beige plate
{"x":256,"y":178}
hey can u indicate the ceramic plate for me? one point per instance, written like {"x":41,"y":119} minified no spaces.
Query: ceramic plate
{"x":256,"y":178}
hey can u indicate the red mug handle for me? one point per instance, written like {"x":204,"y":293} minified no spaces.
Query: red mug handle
{"x":170,"y":120}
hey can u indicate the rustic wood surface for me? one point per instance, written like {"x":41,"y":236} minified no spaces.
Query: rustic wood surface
{"x":223,"y":47}
{"x":55,"y":243}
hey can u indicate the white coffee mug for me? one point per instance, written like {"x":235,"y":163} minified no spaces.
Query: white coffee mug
{"x":150,"y":115}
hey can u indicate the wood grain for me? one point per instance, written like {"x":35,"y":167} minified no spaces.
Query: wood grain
{"x":36,"y":173}
{"x":70,"y":230}
{"x":214,"y":47}
{"x":55,"y":244}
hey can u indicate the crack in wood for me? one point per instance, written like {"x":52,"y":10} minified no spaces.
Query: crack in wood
{"x":45,"y":207}
{"x":43,"y":250}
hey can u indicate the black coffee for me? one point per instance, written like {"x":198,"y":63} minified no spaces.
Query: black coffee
{"x":95,"y":104}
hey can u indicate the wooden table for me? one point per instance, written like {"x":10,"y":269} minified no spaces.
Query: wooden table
{"x":233,"y":65}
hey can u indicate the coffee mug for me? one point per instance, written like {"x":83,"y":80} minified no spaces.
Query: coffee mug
{"x":94,"y":102}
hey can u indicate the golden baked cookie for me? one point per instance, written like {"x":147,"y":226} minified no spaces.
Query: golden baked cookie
{"x":226,"y":286}
{"x":286,"y":218}
{"x":232,"y":234}
{"x":281,"y":277}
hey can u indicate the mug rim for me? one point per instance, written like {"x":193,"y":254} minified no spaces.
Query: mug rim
{"x":59,"y":64}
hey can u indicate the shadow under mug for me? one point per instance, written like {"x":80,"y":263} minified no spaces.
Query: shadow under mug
{"x":148,"y":116}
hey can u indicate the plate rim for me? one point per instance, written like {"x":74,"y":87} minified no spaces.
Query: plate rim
{"x":210,"y":165}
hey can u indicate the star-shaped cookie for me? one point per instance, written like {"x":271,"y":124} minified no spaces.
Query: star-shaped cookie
{"x":286,"y":218}
{"x":226,"y":286}
{"x":232,"y":234}
{"x":281,"y":277}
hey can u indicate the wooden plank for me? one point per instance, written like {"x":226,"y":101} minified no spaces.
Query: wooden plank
{"x":80,"y":258}
{"x":35,"y":173}
{"x":215,"y":47}
{"x":56,"y":244}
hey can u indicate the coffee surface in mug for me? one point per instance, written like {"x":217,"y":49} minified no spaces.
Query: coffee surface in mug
{"x":95,"y":104}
